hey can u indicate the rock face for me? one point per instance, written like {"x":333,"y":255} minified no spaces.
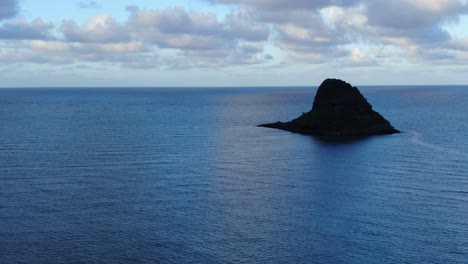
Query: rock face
{"x":338,"y":109}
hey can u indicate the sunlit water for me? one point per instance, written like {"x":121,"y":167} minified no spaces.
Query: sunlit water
{"x":185,"y":176}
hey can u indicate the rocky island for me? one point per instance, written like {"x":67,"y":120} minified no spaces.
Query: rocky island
{"x":338,"y":109}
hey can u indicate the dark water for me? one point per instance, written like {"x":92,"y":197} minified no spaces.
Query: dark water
{"x":185,"y":176}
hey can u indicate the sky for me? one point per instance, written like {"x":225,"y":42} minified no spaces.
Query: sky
{"x":204,"y":43}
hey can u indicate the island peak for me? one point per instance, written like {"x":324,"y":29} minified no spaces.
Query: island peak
{"x":338,"y":109}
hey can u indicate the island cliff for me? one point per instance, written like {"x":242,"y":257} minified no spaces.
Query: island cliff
{"x":338,"y":109}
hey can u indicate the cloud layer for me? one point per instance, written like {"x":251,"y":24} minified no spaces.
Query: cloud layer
{"x":351,"y":33}
{"x":8,"y":8}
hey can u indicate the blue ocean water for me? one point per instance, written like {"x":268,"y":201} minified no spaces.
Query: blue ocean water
{"x":185,"y":176}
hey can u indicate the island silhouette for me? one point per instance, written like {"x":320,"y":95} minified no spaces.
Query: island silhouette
{"x":338,"y":109}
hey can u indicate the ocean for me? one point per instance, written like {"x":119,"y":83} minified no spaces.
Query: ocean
{"x":184,"y":175}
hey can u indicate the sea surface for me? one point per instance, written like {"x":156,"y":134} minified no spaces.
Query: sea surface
{"x":183,"y":175}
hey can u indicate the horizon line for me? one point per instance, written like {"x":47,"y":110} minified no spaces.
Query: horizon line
{"x":216,"y":86}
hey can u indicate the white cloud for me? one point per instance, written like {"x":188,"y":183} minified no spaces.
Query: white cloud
{"x":344,"y":17}
{"x":50,"y":46}
{"x":286,"y":5}
{"x":359,"y":57}
{"x":319,"y":29}
{"x":171,"y":37}
{"x":300,"y":31}
{"x":193,"y":30}
{"x":98,"y":29}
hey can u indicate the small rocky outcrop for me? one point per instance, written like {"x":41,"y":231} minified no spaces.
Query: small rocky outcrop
{"x":338,"y":109}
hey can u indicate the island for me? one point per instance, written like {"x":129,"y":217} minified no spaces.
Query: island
{"x":338,"y":109}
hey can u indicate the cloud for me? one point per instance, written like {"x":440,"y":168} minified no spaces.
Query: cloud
{"x":174,"y":21}
{"x":310,"y":40}
{"x":133,"y":54}
{"x":201,"y":38}
{"x":50,"y":46}
{"x":177,"y":28}
{"x":8,"y":9}
{"x":459,"y":44}
{"x":242,"y":25}
{"x":98,"y":29}
{"x":21,"y":30}
{"x":15,"y":51}
{"x":88,"y":4}
{"x":404,"y":22}
{"x":299,"y":28}
{"x":317,"y":31}
{"x":348,"y":32}
{"x":170,"y":37}
{"x":285,"y":5}
{"x":358,"y":58}
{"x":241,"y":55}
{"x":345,"y":18}
{"x":412,"y":14}
{"x":80,"y":48}
{"x":174,"y":28}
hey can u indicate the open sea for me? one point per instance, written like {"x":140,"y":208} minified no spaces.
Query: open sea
{"x":136,"y":175}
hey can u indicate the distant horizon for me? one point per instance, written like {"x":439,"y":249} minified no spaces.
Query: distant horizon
{"x":229,"y":87}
